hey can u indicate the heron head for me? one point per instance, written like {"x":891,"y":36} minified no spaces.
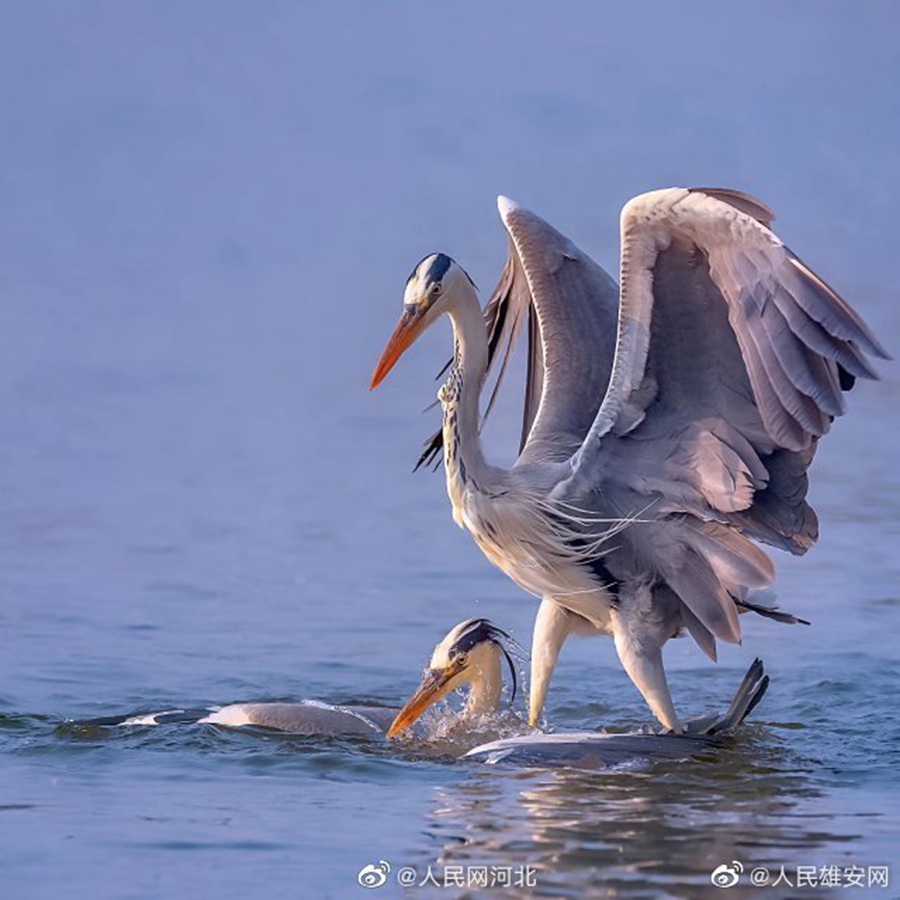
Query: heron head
{"x":430,"y":292}
{"x":470,"y":654}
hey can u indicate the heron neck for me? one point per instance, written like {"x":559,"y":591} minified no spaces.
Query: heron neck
{"x":486,"y":689}
{"x":462,"y":392}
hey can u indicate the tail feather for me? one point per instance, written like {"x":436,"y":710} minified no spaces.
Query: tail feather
{"x":770,"y":612}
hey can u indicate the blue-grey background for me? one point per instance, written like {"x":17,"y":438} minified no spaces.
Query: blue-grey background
{"x":207,"y":215}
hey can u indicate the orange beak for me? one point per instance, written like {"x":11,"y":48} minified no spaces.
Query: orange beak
{"x":408,"y":329}
{"x":434,"y":686}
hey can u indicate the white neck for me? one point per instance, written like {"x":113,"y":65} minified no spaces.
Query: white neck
{"x":487,"y":685}
{"x":462,"y":392}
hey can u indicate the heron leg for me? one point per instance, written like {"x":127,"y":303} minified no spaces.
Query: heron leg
{"x":551,"y":627}
{"x":639,"y":636}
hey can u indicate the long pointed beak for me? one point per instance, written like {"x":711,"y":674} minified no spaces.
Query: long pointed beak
{"x":434,"y":686}
{"x":408,"y":329}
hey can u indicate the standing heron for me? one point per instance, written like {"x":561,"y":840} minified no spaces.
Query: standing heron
{"x":668,"y":423}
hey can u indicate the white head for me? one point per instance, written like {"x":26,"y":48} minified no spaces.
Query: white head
{"x":431,"y":291}
{"x":470,"y":654}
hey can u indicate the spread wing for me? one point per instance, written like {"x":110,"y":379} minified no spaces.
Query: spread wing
{"x":731,"y":361}
{"x":571,"y":305}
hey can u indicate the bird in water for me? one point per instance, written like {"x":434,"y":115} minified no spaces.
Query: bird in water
{"x":668,"y":423}
{"x":470,"y":656}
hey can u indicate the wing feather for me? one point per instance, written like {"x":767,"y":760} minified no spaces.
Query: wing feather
{"x":793,"y":331}
{"x":703,"y":593}
{"x":731,"y":361}
{"x":534,"y":378}
{"x":571,"y":306}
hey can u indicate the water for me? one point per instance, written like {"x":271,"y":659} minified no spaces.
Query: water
{"x":206,"y":218}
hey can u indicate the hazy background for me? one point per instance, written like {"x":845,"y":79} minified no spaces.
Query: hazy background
{"x":207,"y":215}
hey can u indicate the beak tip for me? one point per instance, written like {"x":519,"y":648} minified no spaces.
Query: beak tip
{"x":433,"y":687}
{"x":398,"y":726}
{"x":408,"y":328}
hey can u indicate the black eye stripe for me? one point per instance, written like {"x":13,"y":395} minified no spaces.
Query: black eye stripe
{"x":477,"y":631}
{"x":438,"y":268}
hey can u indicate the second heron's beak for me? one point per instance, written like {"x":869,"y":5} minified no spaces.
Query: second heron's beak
{"x":408,"y":329}
{"x":436,"y":684}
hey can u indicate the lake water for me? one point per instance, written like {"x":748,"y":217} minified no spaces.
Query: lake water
{"x":207,"y":215}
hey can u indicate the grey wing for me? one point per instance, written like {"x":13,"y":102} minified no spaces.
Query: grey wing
{"x":731,"y":360}
{"x":307,"y":717}
{"x":570,"y":305}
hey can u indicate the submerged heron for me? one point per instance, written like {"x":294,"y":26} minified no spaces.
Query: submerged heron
{"x":668,"y":423}
{"x":470,"y":655}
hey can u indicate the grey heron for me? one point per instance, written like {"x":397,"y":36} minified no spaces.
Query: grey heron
{"x":470,"y":655}
{"x":669,"y":422}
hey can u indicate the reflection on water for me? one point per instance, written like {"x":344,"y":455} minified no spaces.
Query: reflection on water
{"x":647,"y":829}
{"x":764,"y":798}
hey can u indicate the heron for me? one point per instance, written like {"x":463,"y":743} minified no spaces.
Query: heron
{"x":669,"y":422}
{"x":469,"y":657}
